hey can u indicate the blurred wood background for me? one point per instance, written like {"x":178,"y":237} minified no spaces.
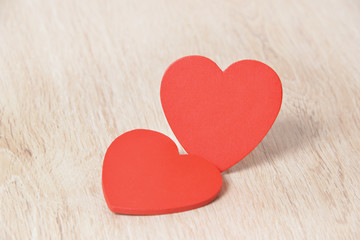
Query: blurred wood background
{"x":76,"y":74}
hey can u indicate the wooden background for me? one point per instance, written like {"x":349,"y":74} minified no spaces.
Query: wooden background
{"x":76,"y":74}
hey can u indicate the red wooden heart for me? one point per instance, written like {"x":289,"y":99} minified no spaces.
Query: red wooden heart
{"x":143,"y":174}
{"x":220,"y":116}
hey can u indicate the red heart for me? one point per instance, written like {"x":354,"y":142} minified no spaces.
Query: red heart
{"x":143,"y":174}
{"x":220,"y":116}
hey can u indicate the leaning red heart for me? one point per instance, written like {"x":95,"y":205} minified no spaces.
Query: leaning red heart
{"x":220,"y":116}
{"x":144,"y":174}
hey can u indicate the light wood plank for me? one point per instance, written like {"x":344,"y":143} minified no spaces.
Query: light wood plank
{"x":76,"y":74}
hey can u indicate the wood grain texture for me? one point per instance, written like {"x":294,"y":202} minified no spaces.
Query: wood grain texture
{"x":76,"y":74}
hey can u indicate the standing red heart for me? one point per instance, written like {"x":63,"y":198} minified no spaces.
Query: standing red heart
{"x":216,"y":115}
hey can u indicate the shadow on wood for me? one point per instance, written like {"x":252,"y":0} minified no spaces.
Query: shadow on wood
{"x":286,"y":135}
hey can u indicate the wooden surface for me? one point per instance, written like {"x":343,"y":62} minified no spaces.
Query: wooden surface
{"x":76,"y":74}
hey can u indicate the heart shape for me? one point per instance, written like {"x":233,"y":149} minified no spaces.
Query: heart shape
{"x":143,"y":174}
{"x":220,"y":115}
